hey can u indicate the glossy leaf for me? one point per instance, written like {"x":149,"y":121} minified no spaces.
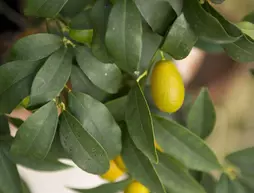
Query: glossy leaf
{"x":180,"y":39}
{"x":52,"y":77}
{"x":4,"y":126}
{"x":225,"y":185}
{"x":247,"y":28}
{"x":208,"y":182}
{"x":177,"y":5}
{"x":36,"y":134}
{"x":242,"y":50}
{"x":82,"y":20}
{"x":158,"y":14}
{"x":249,"y":17}
{"x":175,"y":178}
{"x":9,"y":176}
{"x":243,"y":159}
{"x":106,"y":76}
{"x":139,"y":122}
{"x":81,"y":83}
{"x":97,"y":121}
{"x":44,"y":8}
{"x":36,"y":47}
{"x":82,"y":148}
{"x":15,"y":121}
{"x":202,"y":117}
{"x":117,"y":107}
{"x":207,"y":26}
{"x":73,"y":7}
{"x":208,"y":46}
{"x":140,"y":167}
{"x":109,"y":188}
{"x":99,"y":16}
{"x":183,"y":145}
{"x":15,"y":83}
{"x":124,"y":42}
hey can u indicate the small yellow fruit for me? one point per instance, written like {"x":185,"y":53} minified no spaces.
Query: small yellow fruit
{"x":136,"y":187}
{"x":82,"y":36}
{"x":167,"y":87}
{"x":119,"y":162}
{"x":158,"y":147}
{"x":113,"y":173}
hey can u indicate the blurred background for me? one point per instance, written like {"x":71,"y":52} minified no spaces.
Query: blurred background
{"x":231,"y":86}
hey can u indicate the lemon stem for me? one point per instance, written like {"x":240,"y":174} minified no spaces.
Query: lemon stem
{"x":142,"y":76}
{"x":162,"y":55}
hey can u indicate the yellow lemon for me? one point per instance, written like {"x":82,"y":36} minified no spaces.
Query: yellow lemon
{"x":113,"y":173}
{"x":167,"y":86}
{"x":157,"y":146}
{"x":136,"y":187}
{"x":119,"y":162}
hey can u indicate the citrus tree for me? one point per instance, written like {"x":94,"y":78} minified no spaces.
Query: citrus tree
{"x":105,"y":94}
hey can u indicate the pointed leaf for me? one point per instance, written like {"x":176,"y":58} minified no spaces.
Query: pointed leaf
{"x":177,"y":5}
{"x":99,"y":16}
{"x":241,"y":50}
{"x":36,"y":47}
{"x":52,"y":77}
{"x":117,"y":107}
{"x":208,"y":182}
{"x":82,"y":20}
{"x":36,"y":134}
{"x":124,"y":42}
{"x":207,"y":26}
{"x":175,"y":178}
{"x":73,"y":7}
{"x":81,"y":83}
{"x":25,"y":188}
{"x":180,"y":143}
{"x":83,"y":149}
{"x":225,"y":185}
{"x":249,"y":17}
{"x":4,"y":126}
{"x":180,"y":39}
{"x":44,"y":8}
{"x":97,"y":120}
{"x":243,"y":159}
{"x":9,"y":176}
{"x":15,"y":121}
{"x":15,"y":83}
{"x":140,"y":167}
{"x":109,"y":188}
{"x":202,"y":117}
{"x":139,"y":122}
{"x":106,"y":76}
{"x":158,"y":14}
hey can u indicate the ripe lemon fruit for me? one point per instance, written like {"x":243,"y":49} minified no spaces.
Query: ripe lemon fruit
{"x":136,"y":187}
{"x":167,"y":87}
{"x":119,"y":162}
{"x":113,"y":173}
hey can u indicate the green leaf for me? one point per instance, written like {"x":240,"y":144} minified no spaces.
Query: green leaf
{"x":175,"y":178}
{"x":151,"y":42}
{"x":15,"y":83}
{"x":4,"y":126}
{"x":225,"y":185}
{"x":210,"y":27}
{"x":82,"y":20}
{"x":158,"y":14}
{"x":140,"y":167}
{"x":124,"y":35}
{"x":208,"y":182}
{"x":177,"y":5}
{"x":36,"y":134}
{"x":83,"y":149}
{"x":25,"y":188}
{"x":36,"y":47}
{"x":183,"y":145}
{"x":44,"y":8}
{"x":81,"y":83}
{"x":249,"y":17}
{"x":108,"y":188}
{"x":242,"y":50}
{"x":201,"y":118}
{"x":106,"y":76}
{"x":51,"y":78}
{"x":99,"y":16}
{"x":180,"y":39}
{"x":243,"y":159}
{"x":117,"y":107}
{"x":97,"y":121}
{"x":139,"y":122}
{"x":247,"y":28}
{"x":9,"y":176}
{"x":15,"y":121}
{"x":73,"y":7}
{"x":247,"y":182}
{"x":208,"y":46}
